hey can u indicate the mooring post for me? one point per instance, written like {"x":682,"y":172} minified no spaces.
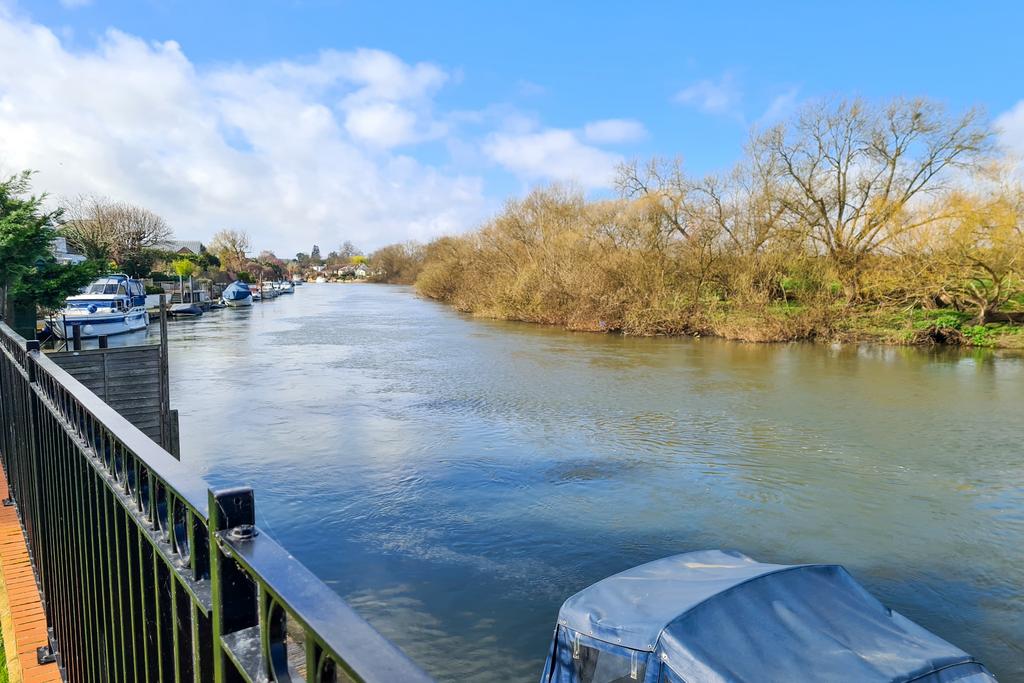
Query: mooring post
{"x":76,"y":331}
{"x":164,"y":378}
{"x":233,"y":594}
{"x":104,"y":343}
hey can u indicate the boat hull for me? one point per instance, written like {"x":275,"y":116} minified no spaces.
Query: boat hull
{"x":239,"y":303}
{"x":101,"y":325}
{"x":185,"y":311}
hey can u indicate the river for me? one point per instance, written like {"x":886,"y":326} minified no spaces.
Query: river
{"x":456,"y":479}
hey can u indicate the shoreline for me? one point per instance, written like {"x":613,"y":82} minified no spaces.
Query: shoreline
{"x":1001,"y":337}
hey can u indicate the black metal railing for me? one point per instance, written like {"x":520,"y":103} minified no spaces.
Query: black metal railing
{"x":145,"y":573}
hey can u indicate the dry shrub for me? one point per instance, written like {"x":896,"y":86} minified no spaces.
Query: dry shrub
{"x":610,"y":266}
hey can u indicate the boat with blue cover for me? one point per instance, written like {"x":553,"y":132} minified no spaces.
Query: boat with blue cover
{"x":715,"y":616}
{"x":237,"y":294}
{"x":112,"y":304}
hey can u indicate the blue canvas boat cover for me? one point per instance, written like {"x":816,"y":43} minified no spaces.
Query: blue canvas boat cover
{"x":721,"y":616}
{"x":236,"y":290}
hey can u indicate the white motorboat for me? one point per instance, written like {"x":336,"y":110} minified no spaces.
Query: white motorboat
{"x":297,"y":280}
{"x":285,"y":287}
{"x":113,"y":304}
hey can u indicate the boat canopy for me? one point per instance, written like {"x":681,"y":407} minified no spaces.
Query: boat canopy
{"x":721,"y":616}
{"x":109,"y":285}
{"x":236,"y":290}
{"x":119,"y":285}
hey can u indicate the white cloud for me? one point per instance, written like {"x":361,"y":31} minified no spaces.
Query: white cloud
{"x":295,"y":152}
{"x":780,"y":107}
{"x":75,"y":4}
{"x":553,"y":154}
{"x":611,"y":131}
{"x":714,"y":96}
{"x":384,"y":124}
{"x":1010,"y":128}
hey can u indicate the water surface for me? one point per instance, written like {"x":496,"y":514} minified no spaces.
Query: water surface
{"x":457,"y":479}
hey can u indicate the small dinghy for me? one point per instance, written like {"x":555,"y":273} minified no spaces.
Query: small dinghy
{"x":716,"y":616}
{"x":185,"y":311}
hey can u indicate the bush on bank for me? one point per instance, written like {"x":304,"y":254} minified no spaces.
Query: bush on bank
{"x":850,"y":221}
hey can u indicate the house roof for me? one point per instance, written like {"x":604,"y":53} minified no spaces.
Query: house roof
{"x":194,"y":246}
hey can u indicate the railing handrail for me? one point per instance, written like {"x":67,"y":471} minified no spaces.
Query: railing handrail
{"x":200,"y":536}
{"x":173,"y":471}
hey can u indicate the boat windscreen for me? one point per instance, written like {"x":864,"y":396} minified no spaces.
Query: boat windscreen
{"x":87,"y":304}
{"x":106,"y":287}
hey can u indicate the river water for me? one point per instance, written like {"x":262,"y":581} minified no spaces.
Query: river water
{"x":457,"y":479}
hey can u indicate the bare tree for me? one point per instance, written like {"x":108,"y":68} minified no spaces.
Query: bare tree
{"x":89,"y":227}
{"x":230,"y":246}
{"x":854,"y":170}
{"x":662,"y":184}
{"x":102,"y":229}
{"x":347,"y":251}
{"x":137,"y":229}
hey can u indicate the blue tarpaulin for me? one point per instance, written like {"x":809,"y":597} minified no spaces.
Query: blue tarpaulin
{"x":714,"y":616}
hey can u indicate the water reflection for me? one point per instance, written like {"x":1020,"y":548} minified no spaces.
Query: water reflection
{"x":457,"y":479}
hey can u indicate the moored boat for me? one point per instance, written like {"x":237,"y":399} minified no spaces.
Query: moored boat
{"x":285,"y":287}
{"x":721,"y":616}
{"x":297,"y":280}
{"x":237,"y":294}
{"x":185,"y":311}
{"x":197,"y":297}
{"x":113,"y":304}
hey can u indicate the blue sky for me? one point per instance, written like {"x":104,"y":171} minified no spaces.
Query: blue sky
{"x":454,"y":105}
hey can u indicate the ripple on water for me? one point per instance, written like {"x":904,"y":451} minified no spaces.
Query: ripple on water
{"x":457,"y":479}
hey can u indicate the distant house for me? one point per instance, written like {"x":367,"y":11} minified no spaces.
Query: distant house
{"x":183,"y":247}
{"x":62,"y":255}
{"x":346,"y":271}
{"x":362,"y":271}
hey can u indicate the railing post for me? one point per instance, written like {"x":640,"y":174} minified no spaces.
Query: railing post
{"x":233,"y":594}
{"x":36,"y":518}
{"x":30,"y":367}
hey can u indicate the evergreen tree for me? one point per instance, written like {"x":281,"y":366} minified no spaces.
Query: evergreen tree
{"x":26,"y":232}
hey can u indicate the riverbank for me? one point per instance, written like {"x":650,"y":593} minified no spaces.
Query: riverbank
{"x":821,"y":322}
{"x":613,"y":266}
{"x":786,"y":323}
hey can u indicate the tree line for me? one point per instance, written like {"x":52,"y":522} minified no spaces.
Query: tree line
{"x":117,"y":236}
{"x":852,"y":219}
